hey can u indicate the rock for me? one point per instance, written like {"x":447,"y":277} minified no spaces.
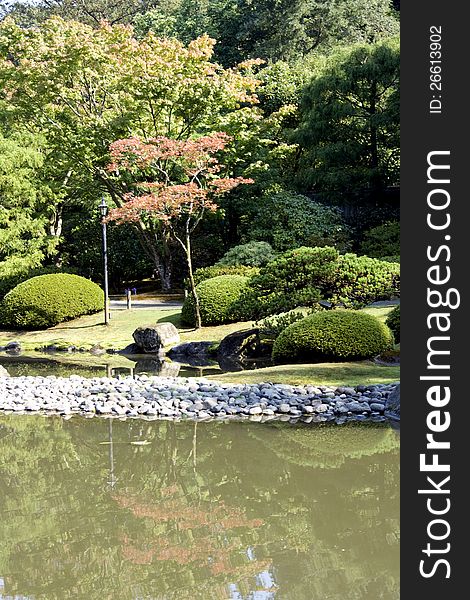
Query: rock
{"x":13,"y":348}
{"x":392,"y":405}
{"x":153,"y":338}
{"x":97,"y":350}
{"x":146,"y":396}
{"x":131,"y":349}
{"x":346,"y":390}
{"x":237,"y":347}
{"x":195,"y":354}
{"x":170,"y":369}
{"x":357,"y":407}
{"x":3,"y":372}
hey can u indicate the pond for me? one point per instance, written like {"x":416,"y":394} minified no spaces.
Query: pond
{"x":130,"y":510}
{"x":86,"y":365}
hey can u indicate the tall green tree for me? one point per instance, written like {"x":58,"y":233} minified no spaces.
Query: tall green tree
{"x":287,"y":29}
{"x":26,"y":205}
{"x":84,"y":88}
{"x":91,"y":12}
{"x":349,"y":130}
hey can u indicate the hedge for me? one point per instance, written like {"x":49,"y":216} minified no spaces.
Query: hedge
{"x":393,"y":321}
{"x":217,"y":297}
{"x":11,"y":281}
{"x":360,"y":280}
{"x":305,"y":276}
{"x":47,"y":300}
{"x":338,"y":335}
{"x":204,"y":273}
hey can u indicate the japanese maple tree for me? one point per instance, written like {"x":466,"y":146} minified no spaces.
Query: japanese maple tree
{"x":173,"y":183}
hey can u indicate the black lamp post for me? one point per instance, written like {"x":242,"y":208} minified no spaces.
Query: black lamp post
{"x":103,"y":212}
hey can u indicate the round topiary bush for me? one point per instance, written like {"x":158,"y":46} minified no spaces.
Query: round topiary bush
{"x":338,"y":335}
{"x":216,"y":299}
{"x":204,"y":273}
{"x":9,"y":282}
{"x":393,"y":321}
{"x":47,"y":300}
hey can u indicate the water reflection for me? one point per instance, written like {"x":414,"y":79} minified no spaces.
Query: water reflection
{"x":41,"y":364}
{"x":135,"y":510}
{"x":63,"y":365}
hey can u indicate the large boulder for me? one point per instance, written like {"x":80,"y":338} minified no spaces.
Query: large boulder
{"x":392,"y":405}
{"x":13,"y":348}
{"x":240,"y":344}
{"x":236,"y":347}
{"x":131,"y":349}
{"x":192,"y":353}
{"x":153,"y":338}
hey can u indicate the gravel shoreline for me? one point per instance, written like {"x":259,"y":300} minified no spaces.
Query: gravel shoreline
{"x":148,"y":397}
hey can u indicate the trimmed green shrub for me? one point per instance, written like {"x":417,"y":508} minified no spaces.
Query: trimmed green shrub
{"x":393,"y":321}
{"x":217,"y":297}
{"x":253,"y":254}
{"x":10,"y":282}
{"x":338,"y":335}
{"x":273,"y":325}
{"x":383,"y":240}
{"x":299,"y":277}
{"x":204,"y":273}
{"x":360,"y":280}
{"x":304,"y":276}
{"x":393,"y":258}
{"x":47,"y":300}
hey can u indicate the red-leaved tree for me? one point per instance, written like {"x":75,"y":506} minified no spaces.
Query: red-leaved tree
{"x":175,"y":182}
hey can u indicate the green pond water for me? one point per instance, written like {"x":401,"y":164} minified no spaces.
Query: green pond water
{"x":43,"y":365}
{"x":96,"y":509}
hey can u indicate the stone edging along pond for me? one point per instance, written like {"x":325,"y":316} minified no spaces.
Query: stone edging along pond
{"x":200,"y":399}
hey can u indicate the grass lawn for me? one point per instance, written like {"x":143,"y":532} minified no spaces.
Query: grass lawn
{"x":381,"y":312}
{"x":87,"y":331}
{"x":330,"y":374}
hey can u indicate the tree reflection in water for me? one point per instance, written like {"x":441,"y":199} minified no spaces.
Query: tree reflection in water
{"x":182,"y":511}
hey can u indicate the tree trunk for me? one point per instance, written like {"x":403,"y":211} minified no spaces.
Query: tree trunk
{"x":162,"y":264}
{"x":197,"y":308}
{"x":162,"y":261}
{"x":55,"y":221}
{"x":164,"y":271}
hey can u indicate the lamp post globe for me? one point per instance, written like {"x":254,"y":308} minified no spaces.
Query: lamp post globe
{"x":103,"y":207}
